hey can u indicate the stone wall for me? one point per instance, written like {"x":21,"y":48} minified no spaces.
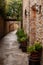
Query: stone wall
{"x":26,"y":16}
{"x":8,"y":27}
{"x":33,"y":22}
{"x":11,"y":26}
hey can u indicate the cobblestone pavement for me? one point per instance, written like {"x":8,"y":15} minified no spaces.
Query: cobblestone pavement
{"x":10,"y":54}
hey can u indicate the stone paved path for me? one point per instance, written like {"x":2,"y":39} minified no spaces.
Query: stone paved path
{"x":10,"y":54}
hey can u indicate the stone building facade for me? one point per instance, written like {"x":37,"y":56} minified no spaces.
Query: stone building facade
{"x":33,"y":19}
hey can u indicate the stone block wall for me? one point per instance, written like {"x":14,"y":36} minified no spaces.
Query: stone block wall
{"x":33,"y":22}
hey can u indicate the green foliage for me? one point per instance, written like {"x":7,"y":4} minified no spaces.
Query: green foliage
{"x":21,"y":35}
{"x":38,"y":46}
{"x":14,"y":9}
{"x":23,"y":39}
{"x":31,"y":49}
{"x":2,"y":8}
{"x":2,"y":4}
{"x":35,"y":47}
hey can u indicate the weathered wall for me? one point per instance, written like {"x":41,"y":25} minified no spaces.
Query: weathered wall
{"x":26,"y":17}
{"x":11,"y":26}
{"x":36,"y":21}
{"x":33,"y":22}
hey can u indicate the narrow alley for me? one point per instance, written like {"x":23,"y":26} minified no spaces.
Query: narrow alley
{"x":26,"y":18}
{"x":10,"y":54}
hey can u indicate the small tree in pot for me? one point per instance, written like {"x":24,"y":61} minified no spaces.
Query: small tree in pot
{"x":35,"y":53}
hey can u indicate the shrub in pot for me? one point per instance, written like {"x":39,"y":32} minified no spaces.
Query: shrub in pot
{"x":35,"y":53}
{"x":22,"y":38}
{"x":23,"y":41}
{"x":20,"y":33}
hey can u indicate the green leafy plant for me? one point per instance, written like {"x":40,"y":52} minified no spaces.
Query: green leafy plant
{"x":22,"y":39}
{"x":35,"y":47}
{"x":21,"y":35}
{"x":14,"y":9}
{"x":38,"y":46}
{"x":2,"y":8}
{"x":30,"y":48}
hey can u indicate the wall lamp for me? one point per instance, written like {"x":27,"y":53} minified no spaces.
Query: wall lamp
{"x":36,"y":8}
{"x":25,"y":12}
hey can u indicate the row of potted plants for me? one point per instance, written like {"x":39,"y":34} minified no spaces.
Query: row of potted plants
{"x":22,"y":39}
{"x":35,"y":50}
{"x":35,"y":53}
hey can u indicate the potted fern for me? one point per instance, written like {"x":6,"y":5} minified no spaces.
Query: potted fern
{"x":35,"y":53}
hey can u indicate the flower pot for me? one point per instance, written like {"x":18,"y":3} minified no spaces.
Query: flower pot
{"x":35,"y":58}
{"x":34,"y":62}
{"x":24,"y":46}
{"x":35,"y":53}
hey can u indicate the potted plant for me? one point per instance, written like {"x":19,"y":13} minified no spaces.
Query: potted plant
{"x":22,"y":38}
{"x":20,"y":34}
{"x":35,"y":53}
{"x":23,"y":42}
